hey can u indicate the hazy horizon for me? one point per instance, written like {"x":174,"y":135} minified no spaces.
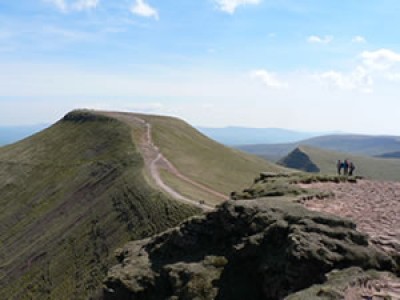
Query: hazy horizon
{"x":297,"y":65}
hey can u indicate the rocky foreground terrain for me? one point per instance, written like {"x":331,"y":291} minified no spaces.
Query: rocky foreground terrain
{"x":375,"y":207}
{"x":268,"y":248}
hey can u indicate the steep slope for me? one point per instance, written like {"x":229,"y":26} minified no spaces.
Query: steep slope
{"x":370,"y":167}
{"x":69,"y":196}
{"x":355,"y":144}
{"x":194,"y":165}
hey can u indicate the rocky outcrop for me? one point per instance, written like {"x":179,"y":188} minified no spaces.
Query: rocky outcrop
{"x":254,"y":249}
{"x":80,"y":116}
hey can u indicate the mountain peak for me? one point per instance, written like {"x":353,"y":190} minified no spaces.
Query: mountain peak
{"x":298,"y":159}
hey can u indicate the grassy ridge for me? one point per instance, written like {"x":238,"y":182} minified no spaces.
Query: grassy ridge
{"x":203,"y":160}
{"x":69,"y":196}
{"x":370,"y":167}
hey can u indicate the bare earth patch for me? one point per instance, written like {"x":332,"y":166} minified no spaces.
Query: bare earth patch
{"x":375,"y":208}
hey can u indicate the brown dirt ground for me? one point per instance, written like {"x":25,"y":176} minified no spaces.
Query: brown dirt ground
{"x":375,"y":207}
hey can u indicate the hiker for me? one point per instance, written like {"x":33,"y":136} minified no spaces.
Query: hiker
{"x":351,"y":168}
{"x":346,"y":167}
{"x":339,"y":167}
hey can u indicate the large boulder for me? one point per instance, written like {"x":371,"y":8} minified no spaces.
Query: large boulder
{"x":254,"y":249}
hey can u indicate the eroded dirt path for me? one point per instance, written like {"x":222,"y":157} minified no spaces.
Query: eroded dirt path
{"x":155,"y":161}
{"x":375,"y":207}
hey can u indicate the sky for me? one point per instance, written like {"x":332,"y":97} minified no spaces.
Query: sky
{"x":308,"y":65}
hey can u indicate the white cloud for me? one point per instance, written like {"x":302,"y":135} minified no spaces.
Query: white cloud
{"x":373,"y":66}
{"x":60,"y":4}
{"x":230,"y":6}
{"x":358,"y":79}
{"x":30,"y":90}
{"x":269,"y":79}
{"x":85,"y":4}
{"x":320,"y":40}
{"x":382,"y":59}
{"x":393,"y":77}
{"x":78,"y":5}
{"x":382,"y":64}
{"x":358,"y":39}
{"x":143,"y":9}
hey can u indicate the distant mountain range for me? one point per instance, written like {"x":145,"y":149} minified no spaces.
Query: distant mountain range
{"x":384,"y":146}
{"x":11,"y":134}
{"x":234,"y":136}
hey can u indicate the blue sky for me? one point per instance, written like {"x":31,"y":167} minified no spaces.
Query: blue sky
{"x":306,"y":65}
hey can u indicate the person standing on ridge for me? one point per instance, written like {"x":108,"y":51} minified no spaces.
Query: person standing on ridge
{"x":351,"y":168}
{"x":339,"y":167}
{"x":346,"y":167}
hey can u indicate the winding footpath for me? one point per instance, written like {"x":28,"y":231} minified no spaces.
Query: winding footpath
{"x":155,"y":160}
{"x":158,"y":161}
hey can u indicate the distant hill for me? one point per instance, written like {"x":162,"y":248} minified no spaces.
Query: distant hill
{"x":325,"y":162}
{"x":390,"y":155}
{"x":73,"y":193}
{"x":298,"y":159}
{"x":233,"y":136}
{"x":12,"y":134}
{"x":355,"y":144}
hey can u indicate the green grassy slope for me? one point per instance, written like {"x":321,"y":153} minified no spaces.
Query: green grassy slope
{"x":370,"y":167}
{"x":69,"y":196}
{"x":204,"y":160}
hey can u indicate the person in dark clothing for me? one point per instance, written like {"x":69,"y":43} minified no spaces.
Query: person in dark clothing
{"x":351,"y":168}
{"x":339,"y":167}
{"x":346,"y":167}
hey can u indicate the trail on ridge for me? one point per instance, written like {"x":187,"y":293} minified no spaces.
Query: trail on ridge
{"x":155,"y":160}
